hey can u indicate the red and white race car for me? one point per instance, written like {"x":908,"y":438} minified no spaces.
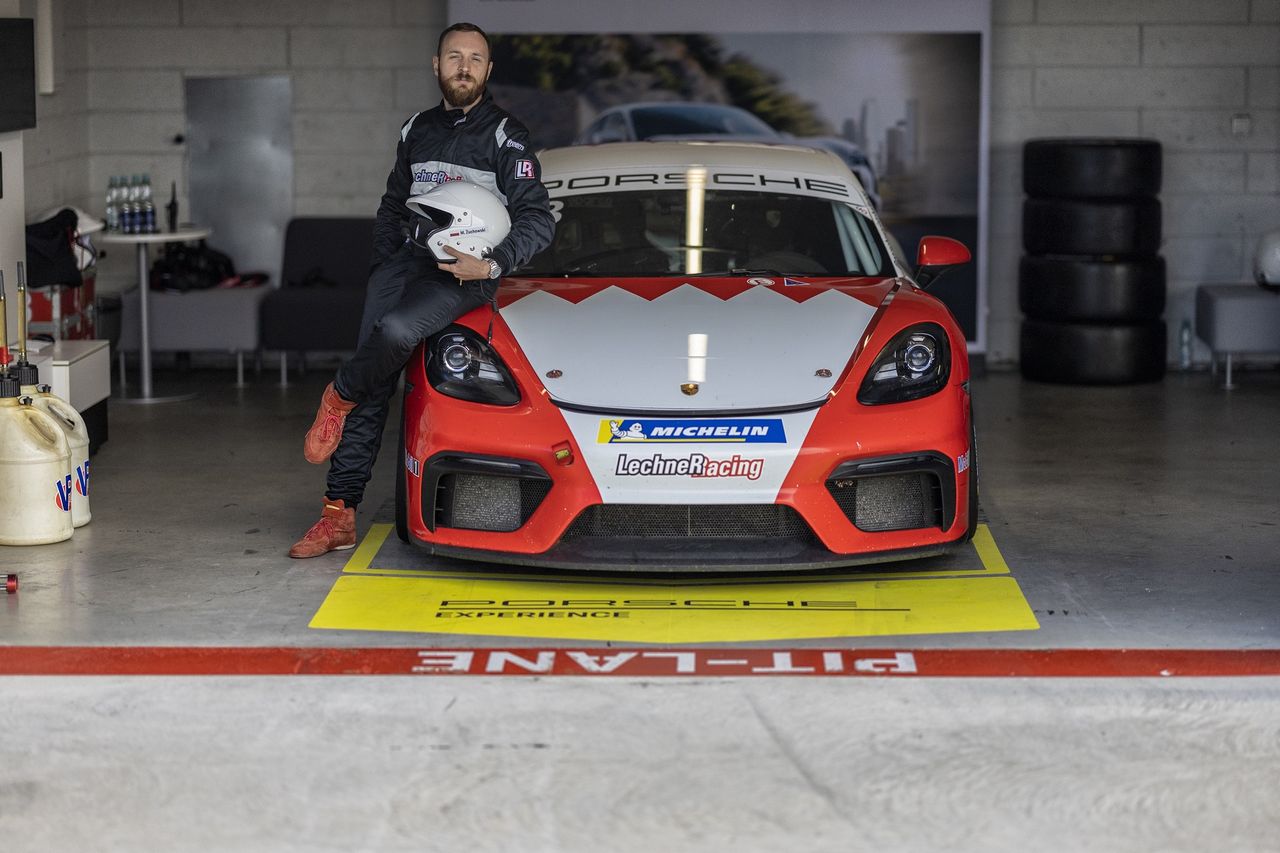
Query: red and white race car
{"x":719,"y":364}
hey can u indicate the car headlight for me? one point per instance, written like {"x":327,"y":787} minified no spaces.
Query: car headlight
{"x":915,"y":364}
{"x":461,"y":364}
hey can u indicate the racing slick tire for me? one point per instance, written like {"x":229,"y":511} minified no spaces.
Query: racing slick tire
{"x":1091,"y":168}
{"x":1126,"y":228}
{"x":1092,"y":353}
{"x":402,"y":491}
{"x":1065,"y":289}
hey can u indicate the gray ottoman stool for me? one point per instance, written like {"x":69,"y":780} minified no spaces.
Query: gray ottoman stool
{"x":1237,"y":319}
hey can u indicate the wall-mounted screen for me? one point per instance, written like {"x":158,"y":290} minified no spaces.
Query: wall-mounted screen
{"x":17,"y":74}
{"x":895,"y":90}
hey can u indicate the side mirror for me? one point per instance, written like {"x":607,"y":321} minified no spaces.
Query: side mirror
{"x":936,"y":255}
{"x":608,"y":134}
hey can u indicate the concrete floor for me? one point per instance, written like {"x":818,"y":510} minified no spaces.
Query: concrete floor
{"x":1137,"y":517}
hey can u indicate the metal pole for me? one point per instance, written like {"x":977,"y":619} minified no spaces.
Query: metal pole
{"x":4,"y":323}
{"x":144,"y":345}
{"x":22,"y":314}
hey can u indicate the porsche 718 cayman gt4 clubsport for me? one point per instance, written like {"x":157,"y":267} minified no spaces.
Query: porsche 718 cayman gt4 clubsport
{"x":719,"y":364}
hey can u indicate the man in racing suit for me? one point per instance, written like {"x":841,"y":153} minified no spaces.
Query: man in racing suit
{"x":410,"y":297}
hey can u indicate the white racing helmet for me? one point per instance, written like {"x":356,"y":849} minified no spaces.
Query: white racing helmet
{"x":1266,"y":261}
{"x":459,"y":214}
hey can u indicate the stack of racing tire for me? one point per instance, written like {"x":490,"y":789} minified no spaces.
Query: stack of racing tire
{"x":1091,"y":285}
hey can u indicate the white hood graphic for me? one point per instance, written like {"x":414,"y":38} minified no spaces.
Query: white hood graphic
{"x":615,"y":350}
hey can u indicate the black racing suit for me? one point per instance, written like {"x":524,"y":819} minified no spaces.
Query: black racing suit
{"x":409,"y":298}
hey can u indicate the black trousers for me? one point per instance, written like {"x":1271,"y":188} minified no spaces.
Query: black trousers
{"x":408,"y":299}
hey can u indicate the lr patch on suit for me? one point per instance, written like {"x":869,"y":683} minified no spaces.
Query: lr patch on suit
{"x":865,"y":605}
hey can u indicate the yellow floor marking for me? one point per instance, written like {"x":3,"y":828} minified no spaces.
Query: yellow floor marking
{"x":654,"y":610}
{"x":363,"y":556}
{"x":717,"y":613}
{"x":985,"y":545}
{"x":361,"y":563}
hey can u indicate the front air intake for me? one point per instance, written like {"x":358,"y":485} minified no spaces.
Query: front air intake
{"x":480,"y":493}
{"x":896,"y":494}
{"x":724,"y":522}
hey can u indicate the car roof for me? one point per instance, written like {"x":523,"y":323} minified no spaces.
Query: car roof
{"x":676,"y":105}
{"x":630,"y":155}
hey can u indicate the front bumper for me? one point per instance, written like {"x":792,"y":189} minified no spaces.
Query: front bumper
{"x":868,"y":484}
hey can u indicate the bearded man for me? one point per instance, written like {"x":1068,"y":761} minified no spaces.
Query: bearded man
{"x":410,"y":296}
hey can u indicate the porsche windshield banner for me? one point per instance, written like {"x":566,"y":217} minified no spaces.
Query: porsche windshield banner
{"x":757,"y":180}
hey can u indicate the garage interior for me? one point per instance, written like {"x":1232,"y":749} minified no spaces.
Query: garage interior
{"x":1099,"y":670}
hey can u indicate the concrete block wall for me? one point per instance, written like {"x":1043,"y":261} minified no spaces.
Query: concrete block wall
{"x":1201,"y":77}
{"x":1175,"y":70}
{"x":57,"y":149}
{"x":358,"y":71}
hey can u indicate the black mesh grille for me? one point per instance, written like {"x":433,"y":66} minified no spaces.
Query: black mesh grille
{"x":892,"y":502}
{"x":723,"y":522}
{"x":531,"y":494}
{"x":482,"y":502}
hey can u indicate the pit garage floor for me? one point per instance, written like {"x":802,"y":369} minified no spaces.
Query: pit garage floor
{"x":1098,"y":672}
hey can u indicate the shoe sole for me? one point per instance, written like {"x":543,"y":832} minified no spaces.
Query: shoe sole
{"x":330,"y":551}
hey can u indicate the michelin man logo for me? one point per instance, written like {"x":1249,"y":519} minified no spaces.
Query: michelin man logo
{"x":635,"y":432}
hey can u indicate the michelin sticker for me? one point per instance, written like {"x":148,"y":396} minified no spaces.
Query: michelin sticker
{"x":698,"y":431}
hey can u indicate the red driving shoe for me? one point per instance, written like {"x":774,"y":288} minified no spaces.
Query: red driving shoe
{"x":323,"y":437}
{"x":335,"y":531}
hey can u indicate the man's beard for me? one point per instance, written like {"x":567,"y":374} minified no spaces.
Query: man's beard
{"x":460,"y":93}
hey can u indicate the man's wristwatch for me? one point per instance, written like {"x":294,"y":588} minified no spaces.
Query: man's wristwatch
{"x":495,"y":269}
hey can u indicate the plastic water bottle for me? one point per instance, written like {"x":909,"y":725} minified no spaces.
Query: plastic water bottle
{"x":112,"y":212}
{"x":1184,"y":345}
{"x":120,"y":191}
{"x":135,"y":204}
{"x":128,"y":223}
{"x":148,"y":207}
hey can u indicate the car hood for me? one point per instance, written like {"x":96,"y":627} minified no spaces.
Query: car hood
{"x":624,"y":345}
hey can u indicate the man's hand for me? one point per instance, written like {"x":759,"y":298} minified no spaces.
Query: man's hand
{"x":467,"y":267}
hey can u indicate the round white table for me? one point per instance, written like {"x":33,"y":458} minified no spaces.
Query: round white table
{"x":142,"y":241}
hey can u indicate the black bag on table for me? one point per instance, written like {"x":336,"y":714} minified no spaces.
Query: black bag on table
{"x":184,"y":267}
{"x":50,"y":259}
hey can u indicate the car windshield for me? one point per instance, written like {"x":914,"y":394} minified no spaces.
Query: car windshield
{"x":686,"y":120}
{"x":641,"y":233}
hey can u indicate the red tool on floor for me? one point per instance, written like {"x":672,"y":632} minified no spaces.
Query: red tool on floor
{"x":11,"y":584}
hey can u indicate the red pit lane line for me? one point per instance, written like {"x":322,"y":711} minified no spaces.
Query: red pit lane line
{"x":641,"y":662}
